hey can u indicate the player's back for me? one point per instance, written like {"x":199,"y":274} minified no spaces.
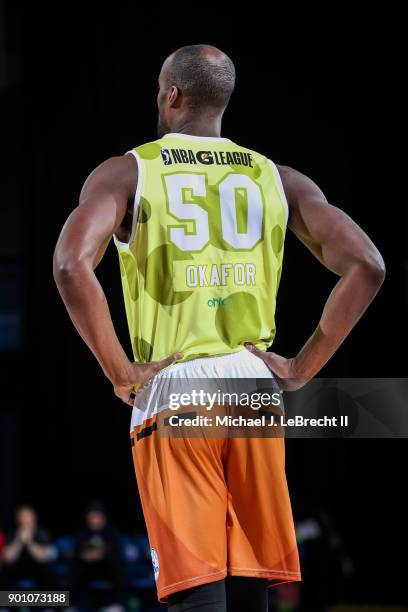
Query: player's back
{"x":201,"y":270}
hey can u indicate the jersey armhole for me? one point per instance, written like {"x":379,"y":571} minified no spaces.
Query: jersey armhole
{"x":136,"y":202}
{"x":280,"y":188}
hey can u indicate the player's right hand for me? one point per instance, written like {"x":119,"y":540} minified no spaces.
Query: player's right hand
{"x":139,"y":374}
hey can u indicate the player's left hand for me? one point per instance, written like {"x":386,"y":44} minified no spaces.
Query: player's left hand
{"x":284,"y":370}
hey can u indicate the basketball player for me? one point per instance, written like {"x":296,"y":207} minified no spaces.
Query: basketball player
{"x":199,"y":223}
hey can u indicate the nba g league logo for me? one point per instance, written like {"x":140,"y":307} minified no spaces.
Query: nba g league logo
{"x":165,"y":153}
{"x":155,"y":563}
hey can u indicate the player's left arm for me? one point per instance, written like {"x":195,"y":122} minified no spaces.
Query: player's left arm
{"x":345,"y":249}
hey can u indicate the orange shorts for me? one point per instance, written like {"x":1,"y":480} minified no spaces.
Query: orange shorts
{"x":214,"y":506}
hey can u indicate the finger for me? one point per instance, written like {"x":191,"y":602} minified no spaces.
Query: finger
{"x":159,"y":365}
{"x":129,"y":401}
{"x":253,"y":349}
{"x":128,"y":398}
{"x":267,"y":358}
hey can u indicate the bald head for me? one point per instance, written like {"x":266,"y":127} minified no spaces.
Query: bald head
{"x":204,"y":74}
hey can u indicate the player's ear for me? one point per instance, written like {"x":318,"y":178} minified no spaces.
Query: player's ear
{"x":175,"y":96}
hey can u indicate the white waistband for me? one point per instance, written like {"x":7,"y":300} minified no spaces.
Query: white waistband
{"x":214,"y":359}
{"x":219,"y":363}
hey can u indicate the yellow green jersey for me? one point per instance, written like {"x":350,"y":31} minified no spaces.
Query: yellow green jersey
{"x":201,"y":270}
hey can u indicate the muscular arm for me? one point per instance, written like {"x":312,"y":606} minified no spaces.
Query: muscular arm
{"x":342,"y":247}
{"x":80,"y":247}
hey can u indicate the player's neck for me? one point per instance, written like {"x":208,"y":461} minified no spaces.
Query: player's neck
{"x":195,"y":127}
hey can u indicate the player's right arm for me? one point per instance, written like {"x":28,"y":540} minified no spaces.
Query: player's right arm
{"x":103,"y":206}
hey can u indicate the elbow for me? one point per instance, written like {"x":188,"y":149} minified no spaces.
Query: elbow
{"x":380,"y":273}
{"x":374,"y":270}
{"x":62,"y":270}
{"x":65,"y":269}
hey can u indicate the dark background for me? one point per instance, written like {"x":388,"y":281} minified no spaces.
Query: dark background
{"x":327,"y":100}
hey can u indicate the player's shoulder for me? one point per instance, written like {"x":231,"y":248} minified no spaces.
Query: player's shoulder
{"x":115,"y":165}
{"x":116,"y":172}
{"x":290,"y":173}
{"x":296,"y":181}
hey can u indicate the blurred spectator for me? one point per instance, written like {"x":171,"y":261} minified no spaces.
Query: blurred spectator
{"x":2,"y":543}
{"x":27,"y":553}
{"x":326,"y":565}
{"x":97,"y":565}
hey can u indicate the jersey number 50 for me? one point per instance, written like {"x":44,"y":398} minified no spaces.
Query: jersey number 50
{"x":227,"y":196}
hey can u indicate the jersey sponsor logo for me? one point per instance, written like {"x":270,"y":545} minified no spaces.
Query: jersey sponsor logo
{"x":207,"y":158}
{"x":215,"y":302}
{"x":155,"y":563}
